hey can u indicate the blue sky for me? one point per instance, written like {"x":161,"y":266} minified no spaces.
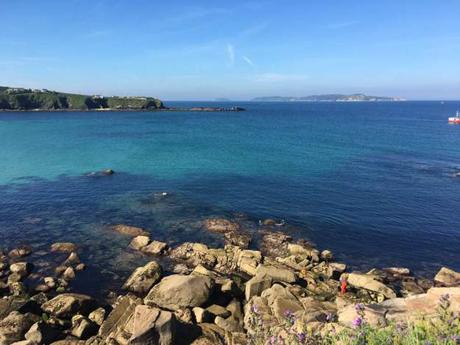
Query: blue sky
{"x":234,"y":49}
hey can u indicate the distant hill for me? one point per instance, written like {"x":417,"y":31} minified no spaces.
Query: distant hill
{"x":33,"y":99}
{"x":358,"y":97}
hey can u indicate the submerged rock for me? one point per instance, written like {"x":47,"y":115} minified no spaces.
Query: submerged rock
{"x":20,"y":252}
{"x":180,"y":291}
{"x":129,"y":230}
{"x":221,"y":225}
{"x":64,"y":247}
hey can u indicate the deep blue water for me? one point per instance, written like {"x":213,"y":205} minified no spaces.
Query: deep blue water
{"x":374,"y":182}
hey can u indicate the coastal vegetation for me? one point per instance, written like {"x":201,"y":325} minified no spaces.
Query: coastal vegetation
{"x":34,"y":99}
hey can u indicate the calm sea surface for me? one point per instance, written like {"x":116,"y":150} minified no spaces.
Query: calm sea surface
{"x":374,"y":182}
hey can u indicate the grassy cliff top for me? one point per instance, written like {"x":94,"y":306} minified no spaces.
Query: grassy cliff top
{"x":33,"y":99}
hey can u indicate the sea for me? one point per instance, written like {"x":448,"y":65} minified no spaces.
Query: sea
{"x":373,"y":182}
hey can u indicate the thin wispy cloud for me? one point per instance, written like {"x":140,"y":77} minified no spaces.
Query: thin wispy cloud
{"x":231,"y":53}
{"x":248,"y":60}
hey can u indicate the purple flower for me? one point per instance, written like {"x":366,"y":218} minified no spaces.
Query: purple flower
{"x":359,"y":307}
{"x":254,"y":309}
{"x":272,"y":340}
{"x":301,"y":337}
{"x":358,"y":322}
{"x":328,"y":317}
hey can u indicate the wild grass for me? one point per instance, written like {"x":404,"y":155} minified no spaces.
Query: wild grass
{"x":443,"y":329}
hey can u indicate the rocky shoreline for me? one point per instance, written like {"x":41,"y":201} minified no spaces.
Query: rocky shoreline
{"x":230,"y":295}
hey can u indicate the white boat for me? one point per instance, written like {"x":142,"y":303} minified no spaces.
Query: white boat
{"x":455,"y":119}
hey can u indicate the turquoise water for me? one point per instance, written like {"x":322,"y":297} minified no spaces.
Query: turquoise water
{"x":374,"y":182}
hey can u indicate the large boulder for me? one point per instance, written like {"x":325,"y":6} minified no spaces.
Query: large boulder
{"x":368,"y":282}
{"x":180,"y":291}
{"x":143,"y":278}
{"x":14,"y":327}
{"x":118,"y":324}
{"x":422,"y":305}
{"x":152,"y":326}
{"x":447,"y":277}
{"x":68,"y":304}
{"x":129,"y":230}
{"x":276,"y":273}
{"x":256,"y":285}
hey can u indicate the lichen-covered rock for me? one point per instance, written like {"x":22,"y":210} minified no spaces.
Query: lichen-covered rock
{"x":143,"y":278}
{"x":68,"y":304}
{"x":180,"y":291}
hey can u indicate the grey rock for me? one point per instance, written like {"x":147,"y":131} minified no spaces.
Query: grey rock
{"x":180,"y":291}
{"x":152,"y":326}
{"x":143,"y":278}
{"x":14,"y":327}
{"x":68,"y":304}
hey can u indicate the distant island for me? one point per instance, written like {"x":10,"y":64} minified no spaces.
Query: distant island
{"x":358,"y":97}
{"x":46,"y":100}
